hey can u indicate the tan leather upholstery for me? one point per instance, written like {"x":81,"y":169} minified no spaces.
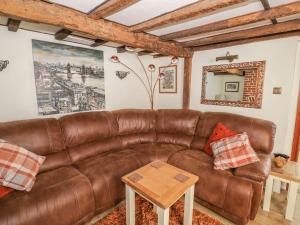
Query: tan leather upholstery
{"x":105,"y":172}
{"x":62,"y":196}
{"x":261,"y":133}
{"x":258,"y":171}
{"x":156,"y":151}
{"x":176,"y":126}
{"x":220,"y":189}
{"x":89,"y":134}
{"x":88,"y":153}
{"x":41,"y":136}
{"x":136,"y":126}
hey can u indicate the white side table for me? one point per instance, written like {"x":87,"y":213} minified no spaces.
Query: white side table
{"x":289,"y":174}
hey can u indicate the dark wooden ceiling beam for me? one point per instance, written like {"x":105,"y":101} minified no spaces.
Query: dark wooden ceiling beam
{"x":62,"y":34}
{"x":121,"y":49}
{"x":70,"y":19}
{"x":110,"y":7}
{"x":188,"y":62}
{"x":246,"y":41}
{"x":276,"y":12}
{"x":98,"y":42}
{"x":141,"y":53}
{"x":189,"y":12}
{"x":13,"y":25}
{"x":160,"y":56}
{"x":249,"y":33}
{"x":266,"y":6}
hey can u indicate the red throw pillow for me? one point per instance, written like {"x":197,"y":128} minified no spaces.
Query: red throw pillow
{"x":233,"y":152}
{"x":4,"y":191}
{"x":218,"y":133}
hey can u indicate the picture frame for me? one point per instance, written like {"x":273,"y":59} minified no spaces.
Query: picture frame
{"x":68,"y":79}
{"x":168,"y":82}
{"x":232,"y":86}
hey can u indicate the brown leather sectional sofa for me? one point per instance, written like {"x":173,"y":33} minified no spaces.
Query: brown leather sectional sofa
{"x":87,"y":153}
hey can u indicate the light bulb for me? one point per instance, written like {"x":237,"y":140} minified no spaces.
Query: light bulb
{"x":151,"y":67}
{"x":174,"y":60}
{"x":114,"y":59}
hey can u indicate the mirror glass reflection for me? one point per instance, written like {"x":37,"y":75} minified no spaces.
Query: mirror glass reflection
{"x":225,"y":85}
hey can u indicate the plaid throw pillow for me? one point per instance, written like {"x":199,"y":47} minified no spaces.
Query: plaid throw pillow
{"x":233,"y":152}
{"x":18,"y":166}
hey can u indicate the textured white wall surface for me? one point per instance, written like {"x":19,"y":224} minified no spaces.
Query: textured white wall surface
{"x":282,"y":70}
{"x":17,"y":84}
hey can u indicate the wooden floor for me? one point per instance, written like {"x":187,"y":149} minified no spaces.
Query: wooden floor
{"x":274,"y":217}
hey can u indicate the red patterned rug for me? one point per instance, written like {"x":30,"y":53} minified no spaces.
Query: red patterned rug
{"x":146,"y":216}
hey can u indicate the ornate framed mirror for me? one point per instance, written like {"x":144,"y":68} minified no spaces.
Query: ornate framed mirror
{"x":236,"y":84}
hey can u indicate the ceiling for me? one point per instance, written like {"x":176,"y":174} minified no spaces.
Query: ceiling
{"x":144,"y":10}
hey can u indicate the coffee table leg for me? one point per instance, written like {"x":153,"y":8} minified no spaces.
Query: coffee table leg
{"x":188,"y":206}
{"x":292,"y":195}
{"x":268,"y":193}
{"x":130,"y":206}
{"x":163,"y":216}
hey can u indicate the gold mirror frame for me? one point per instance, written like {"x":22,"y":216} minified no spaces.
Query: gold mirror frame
{"x":253,"y":102}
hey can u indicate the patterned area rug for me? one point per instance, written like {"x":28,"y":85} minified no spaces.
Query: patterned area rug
{"x":146,"y":216}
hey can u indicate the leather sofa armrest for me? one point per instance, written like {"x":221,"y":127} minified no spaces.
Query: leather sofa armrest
{"x":258,"y":171}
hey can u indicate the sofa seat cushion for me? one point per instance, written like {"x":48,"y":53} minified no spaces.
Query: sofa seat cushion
{"x":156,"y":151}
{"x":193,"y":156}
{"x":258,"y":171}
{"x":105,"y":172}
{"x":212,"y":183}
{"x":217,"y":187}
{"x":63,"y":196}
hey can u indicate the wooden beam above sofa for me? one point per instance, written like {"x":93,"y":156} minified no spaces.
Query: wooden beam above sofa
{"x":141,"y":53}
{"x":199,"y":8}
{"x":121,"y":49}
{"x":276,"y":12}
{"x":187,"y":82}
{"x":249,"y":33}
{"x":13,"y":25}
{"x":246,"y":41}
{"x":57,"y":15}
{"x":110,"y":7}
{"x":98,"y":42}
{"x":62,"y":34}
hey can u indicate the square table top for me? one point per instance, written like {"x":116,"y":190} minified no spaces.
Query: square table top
{"x":290,"y":171}
{"x":160,"y":182}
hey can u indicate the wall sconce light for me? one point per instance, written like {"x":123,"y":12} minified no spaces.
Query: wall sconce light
{"x":3,"y":64}
{"x":228,"y":57}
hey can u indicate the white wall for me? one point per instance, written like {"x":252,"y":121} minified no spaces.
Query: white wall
{"x":281,"y":64}
{"x":17,"y":85}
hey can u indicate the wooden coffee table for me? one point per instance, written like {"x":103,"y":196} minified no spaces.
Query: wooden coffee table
{"x":162,"y":185}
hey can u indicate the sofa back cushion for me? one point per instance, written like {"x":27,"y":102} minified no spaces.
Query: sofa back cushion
{"x":89,"y":133}
{"x":135,"y":126}
{"x":176,"y":126}
{"x":261,"y":132}
{"x":41,"y":136}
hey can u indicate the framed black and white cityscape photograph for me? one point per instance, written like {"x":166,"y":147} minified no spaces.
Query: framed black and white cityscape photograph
{"x":168,"y":80}
{"x":67,"y":78}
